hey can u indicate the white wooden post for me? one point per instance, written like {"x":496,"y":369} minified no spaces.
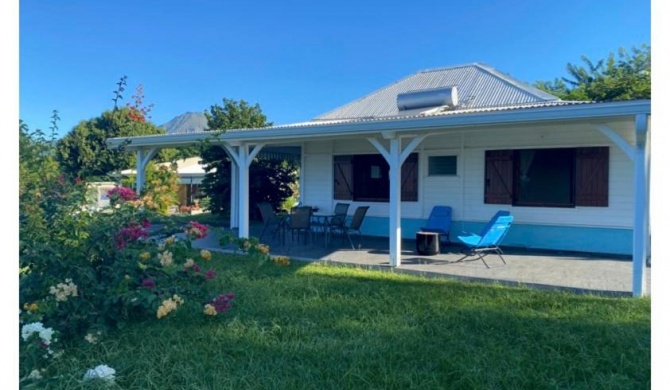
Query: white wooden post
{"x":143,"y":158}
{"x":639,"y":155}
{"x":641,"y":225}
{"x":233,"y":194}
{"x":242,"y":157}
{"x":395,"y":157}
{"x":395,"y":234}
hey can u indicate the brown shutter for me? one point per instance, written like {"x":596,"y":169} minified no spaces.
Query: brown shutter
{"x":499,"y":177}
{"x":592,"y":177}
{"x":409,"y":185}
{"x":343,"y":175}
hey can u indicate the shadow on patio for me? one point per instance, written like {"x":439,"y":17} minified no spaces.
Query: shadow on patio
{"x":575,"y":272}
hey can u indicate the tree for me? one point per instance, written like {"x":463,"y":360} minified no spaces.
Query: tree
{"x":83,"y":152}
{"x":626,"y":76}
{"x":270,"y":180}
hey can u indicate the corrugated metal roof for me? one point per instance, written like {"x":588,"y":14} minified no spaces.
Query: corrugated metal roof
{"x":434,"y":112}
{"x":478,"y":85}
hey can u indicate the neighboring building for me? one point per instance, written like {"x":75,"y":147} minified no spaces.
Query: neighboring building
{"x":96,"y":194}
{"x":191,"y":171}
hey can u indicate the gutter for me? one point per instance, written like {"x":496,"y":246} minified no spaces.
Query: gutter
{"x":374,"y":126}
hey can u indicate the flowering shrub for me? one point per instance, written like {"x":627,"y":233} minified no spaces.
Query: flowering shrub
{"x":87,"y":273}
{"x":250,"y":246}
{"x":196,"y":230}
{"x":130,"y":233}
{"x":161,"y":188}
{"x":281,"y":260}
{"x":220,"y":304}
{"x":121,"y":194}
{"x":37,"y":348}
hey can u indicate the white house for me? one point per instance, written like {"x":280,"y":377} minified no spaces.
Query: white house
{"x":575,"y":175}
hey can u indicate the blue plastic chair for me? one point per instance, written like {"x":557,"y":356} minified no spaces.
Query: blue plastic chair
{"x":439,"y":221}
{"x":489,"y":239}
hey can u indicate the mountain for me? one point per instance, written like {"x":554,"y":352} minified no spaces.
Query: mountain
{"x":189,"y":122}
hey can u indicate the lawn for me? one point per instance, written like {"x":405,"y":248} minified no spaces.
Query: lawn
{"x":316,"y":326}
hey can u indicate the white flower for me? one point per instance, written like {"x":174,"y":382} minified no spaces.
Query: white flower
{"x":29,"y":329}
{"x":35,"y":374}
{"x":101,"y":372}
{"x":64,"y":290}
{"x":91,"y":339}
{"x":45,"y":335}
{"x":165,"y":258}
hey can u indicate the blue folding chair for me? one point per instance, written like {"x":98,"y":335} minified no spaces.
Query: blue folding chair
{"x":439,"y":221}
{"x":489,"y":239}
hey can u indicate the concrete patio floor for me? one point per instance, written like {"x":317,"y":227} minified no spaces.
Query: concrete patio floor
{"x":575,"y":272}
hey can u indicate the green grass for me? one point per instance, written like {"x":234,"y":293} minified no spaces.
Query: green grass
{"x":315,"y":326}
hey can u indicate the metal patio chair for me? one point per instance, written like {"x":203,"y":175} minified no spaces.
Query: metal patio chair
{"x":489,"y":239}
{"x":270,"y":219}
{"x":300,"y":222}
{"x":353,"y":227}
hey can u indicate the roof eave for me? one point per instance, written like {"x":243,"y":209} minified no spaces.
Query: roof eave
{"x":285,"y":133}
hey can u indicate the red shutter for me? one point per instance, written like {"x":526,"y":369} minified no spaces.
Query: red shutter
{"x":409,"y":185}
{"x":498,"y":177}
{"x":343,"y":175}
{"x":592,"y":177}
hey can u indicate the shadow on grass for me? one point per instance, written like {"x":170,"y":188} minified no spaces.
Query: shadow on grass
{"x":309,"y":326}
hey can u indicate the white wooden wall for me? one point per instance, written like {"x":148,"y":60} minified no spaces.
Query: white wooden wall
{"x":465,"y":191}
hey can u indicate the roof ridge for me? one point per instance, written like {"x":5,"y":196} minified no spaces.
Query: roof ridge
{"x":466,"y":65}
{"x":526,"y":87}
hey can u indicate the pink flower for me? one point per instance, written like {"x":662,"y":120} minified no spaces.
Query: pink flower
{"x":148,"y":283}
{"x":210,"y":274}
{"x":196,"y":230}
{"x":133,"y":232}
{"x":222,"y":302}
{"x":123,"y":194}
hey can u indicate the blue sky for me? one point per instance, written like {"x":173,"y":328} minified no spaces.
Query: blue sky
{"x":296,"y":59}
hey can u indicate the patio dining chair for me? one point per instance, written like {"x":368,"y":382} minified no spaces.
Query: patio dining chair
{"x":339,"y":215}
{"x":353,"y":227}
{"x":299,"y":222}
{"x":439,"y":221}
{"x":489,"y":239}
{"x":270,"y":219}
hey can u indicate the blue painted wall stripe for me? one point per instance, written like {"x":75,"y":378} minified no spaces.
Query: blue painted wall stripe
{"x":568,"y":238}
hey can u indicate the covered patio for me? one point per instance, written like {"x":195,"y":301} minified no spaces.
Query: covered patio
{"x":609,"y":275}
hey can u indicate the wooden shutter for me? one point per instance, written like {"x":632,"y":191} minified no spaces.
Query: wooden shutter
{"x":499,"y":176}
{"x":592,"y":177}
{"x":343,"y":177}
{"x":409,"y":175}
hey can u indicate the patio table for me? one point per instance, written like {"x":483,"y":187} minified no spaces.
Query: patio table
{"x":323,"y":221}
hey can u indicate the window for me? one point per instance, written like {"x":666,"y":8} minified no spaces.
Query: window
{"x":565,"y":177}
{"x":365,"y":177}
{"x":441,"y":165}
